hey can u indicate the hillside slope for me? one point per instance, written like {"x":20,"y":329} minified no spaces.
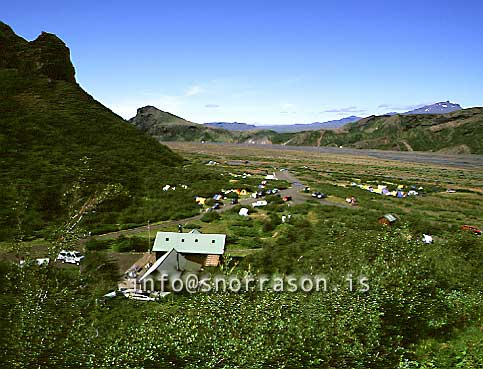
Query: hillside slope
{"x":456,"y":132}
{"x":51,"y":130}
{"x":169,"y":127}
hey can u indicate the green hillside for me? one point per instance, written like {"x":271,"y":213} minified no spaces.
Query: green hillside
{"x":169,"y":127}
{"x":456,"y":132}
{"x":53,"y":135}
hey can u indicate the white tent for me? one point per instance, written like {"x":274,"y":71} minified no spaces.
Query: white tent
{"x":427,"y":238}
{"x":243,"y":212}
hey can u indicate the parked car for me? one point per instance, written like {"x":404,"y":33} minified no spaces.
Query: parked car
{"x":259,"y":203}
{"x":287,"y":198}
{"x":62,"y":255}
{"x":319,"y":195}
{"x":114,"y":294}
{"x":217,"y":206}
{"x":234,"y":201}
{"x":71,"y":257}
{"x":125,"y":291}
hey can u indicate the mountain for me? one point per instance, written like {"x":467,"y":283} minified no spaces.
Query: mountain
{"x":148,"y":117}
{"x":52,"y":134}
{"x":169,"y":127}
{"x":456,"y":132}
{"x":235,"y":126}
{"x":437,"y":108}
{"x":284,"y":128}
{"x":299,"y":127}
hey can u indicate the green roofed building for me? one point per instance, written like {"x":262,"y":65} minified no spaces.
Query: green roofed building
{"x":387,"y":219}
{"x":204,"y":249}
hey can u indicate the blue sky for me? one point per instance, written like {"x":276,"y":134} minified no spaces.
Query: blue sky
{"x":266,"y":61}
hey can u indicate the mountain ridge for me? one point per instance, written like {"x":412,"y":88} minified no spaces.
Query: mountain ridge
{"x":455,"y":132}
{"x":441,"y":107}
{"x":284,"y":128}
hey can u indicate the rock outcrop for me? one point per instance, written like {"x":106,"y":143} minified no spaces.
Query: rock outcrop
{"x":46,"y":55}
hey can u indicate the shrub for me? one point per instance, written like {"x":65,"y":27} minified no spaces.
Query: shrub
{"x":210,"y":217}
{"x":191,"y":226}
{"x":97,"y":245}
{"x":128,"y":244}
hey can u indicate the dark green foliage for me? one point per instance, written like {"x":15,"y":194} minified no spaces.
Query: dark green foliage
{"x":97,"y":245}
{"x":191,"y":226}
{"x":100,"y":271}
{"x":127,"y":244}
{"x":120,"y":244}
{"x":271,"y":223}
{"x":44,"y":309}
{"x":210,"y":216}
{"x":419,"y":296}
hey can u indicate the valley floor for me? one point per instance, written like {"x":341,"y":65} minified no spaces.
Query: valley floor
{"x":462,"y":161}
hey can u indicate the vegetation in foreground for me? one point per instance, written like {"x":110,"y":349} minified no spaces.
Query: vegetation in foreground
{"x":420,"y":296}
{"x":423,"y":309}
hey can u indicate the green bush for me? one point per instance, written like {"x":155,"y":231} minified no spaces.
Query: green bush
{"x":97,"y":245}
{"x":191,"y":226}
{"x":128,"y":244}
{"x":210,"y":217}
